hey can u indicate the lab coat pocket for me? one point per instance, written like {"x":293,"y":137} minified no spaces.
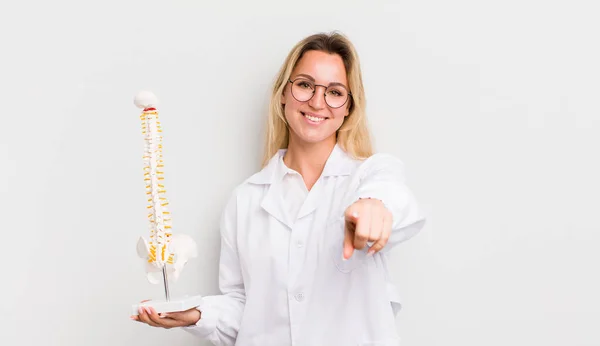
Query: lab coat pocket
{"x":336,"y":231}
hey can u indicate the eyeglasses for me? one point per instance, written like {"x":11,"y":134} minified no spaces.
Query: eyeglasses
{"x":304,"y":89}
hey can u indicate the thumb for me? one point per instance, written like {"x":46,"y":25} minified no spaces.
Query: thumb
{"x":174,"y":319}
{"x":175,"y":315}
{"x":351,"y":215}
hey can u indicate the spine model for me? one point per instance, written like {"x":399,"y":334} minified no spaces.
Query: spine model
{"x":165,"y":254}
{"x":158,"y":213}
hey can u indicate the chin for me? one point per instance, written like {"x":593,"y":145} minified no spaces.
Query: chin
{"x":312,"y":139}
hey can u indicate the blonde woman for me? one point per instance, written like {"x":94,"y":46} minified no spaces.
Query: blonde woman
{"x":304,"y":242}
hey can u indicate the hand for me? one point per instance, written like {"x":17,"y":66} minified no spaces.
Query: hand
{"x":367,"y":220}
{"x":167,"y":320}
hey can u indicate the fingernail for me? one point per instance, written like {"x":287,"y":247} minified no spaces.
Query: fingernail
{"x":355,"y":214}
{"x":163,"y":315}
{"x":370,"y":252}
{"x":148,"y":310}
{"x":141,"y":310}
{"x":344,"y":258}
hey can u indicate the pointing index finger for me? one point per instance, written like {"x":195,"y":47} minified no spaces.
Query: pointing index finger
{"x":349,"y":230}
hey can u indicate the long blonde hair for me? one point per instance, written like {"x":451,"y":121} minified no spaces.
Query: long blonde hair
{"x":353,"y":136}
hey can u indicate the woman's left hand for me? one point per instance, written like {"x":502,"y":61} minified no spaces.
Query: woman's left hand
{"x":148,"y":315}
{"x":367,"y":220}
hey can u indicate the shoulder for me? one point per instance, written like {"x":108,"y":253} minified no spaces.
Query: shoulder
{"x":245,"y":189}
{"x":381,"y":162}
{"x":256,"y":182}
{"x":378,"y":160}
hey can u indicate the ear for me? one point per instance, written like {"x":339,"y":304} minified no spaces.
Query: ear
{"x":348,"y":107}
{"x":283,"y":96}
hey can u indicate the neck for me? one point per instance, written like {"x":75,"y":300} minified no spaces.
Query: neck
{"x":308,"y":159}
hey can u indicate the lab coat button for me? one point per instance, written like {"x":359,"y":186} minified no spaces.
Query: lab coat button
{"x":300,"y":297}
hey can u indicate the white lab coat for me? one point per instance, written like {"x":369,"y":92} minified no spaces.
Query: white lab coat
{"x":283,"y":279}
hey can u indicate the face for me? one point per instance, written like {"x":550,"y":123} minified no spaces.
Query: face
{"x":314,"y":120}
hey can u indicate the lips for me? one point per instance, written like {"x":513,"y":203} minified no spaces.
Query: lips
{"x":314,"y":117}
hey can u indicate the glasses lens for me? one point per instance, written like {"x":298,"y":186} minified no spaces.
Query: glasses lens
{"x":336,"y":96}
{"x":303,"y":89}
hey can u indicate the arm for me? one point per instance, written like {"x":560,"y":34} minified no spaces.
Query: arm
{"x":382,"y":178}
{"x":221,"y":314}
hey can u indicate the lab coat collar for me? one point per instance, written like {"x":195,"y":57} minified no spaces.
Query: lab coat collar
{"x":338,"y":163}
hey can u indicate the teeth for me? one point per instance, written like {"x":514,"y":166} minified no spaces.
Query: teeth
{"x":314,"y":118}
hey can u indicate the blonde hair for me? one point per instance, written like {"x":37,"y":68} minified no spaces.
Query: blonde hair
{"x":353,"y":136}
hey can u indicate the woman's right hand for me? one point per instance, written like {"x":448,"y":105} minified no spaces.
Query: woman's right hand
{"x":167,"y":320}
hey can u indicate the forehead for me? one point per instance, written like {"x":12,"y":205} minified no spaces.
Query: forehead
{"x":325,"y":68}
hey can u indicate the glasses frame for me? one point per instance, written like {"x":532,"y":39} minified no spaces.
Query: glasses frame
{"x":315,"y":91}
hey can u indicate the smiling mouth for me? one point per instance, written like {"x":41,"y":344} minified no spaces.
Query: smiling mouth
{"x":313,"y":118}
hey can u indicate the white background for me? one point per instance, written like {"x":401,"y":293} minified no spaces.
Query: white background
{"x":492,"y":105}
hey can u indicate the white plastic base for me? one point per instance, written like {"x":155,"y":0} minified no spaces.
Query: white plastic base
{"x":176,"y":304}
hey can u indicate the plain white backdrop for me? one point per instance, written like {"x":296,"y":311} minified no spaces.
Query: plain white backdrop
{"x":492,"y":105}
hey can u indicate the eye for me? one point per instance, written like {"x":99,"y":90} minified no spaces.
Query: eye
{"x":305,"y":84}
{"x":335,"y":92}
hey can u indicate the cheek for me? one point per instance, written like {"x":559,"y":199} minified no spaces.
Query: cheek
{"x":290,"y":104}
{"x":340,"y":114}
{"x":287,"y":99}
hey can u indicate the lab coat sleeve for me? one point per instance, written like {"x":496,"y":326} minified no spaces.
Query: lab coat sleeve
{"x":221,"y":314}
{"x":382,"y":177}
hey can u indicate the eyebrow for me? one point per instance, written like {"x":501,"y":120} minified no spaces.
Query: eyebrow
{"x":314,"y":81}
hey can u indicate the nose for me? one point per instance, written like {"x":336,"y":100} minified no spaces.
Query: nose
{"x":318,"y":99}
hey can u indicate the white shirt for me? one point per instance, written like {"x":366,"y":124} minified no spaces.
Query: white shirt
{"x":294,"y":190}
{"x":282,"y":276}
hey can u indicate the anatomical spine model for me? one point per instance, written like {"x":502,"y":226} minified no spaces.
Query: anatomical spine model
{"x":165,"y":254}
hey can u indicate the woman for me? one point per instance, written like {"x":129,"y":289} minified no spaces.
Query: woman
{"x":304,"y":242}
